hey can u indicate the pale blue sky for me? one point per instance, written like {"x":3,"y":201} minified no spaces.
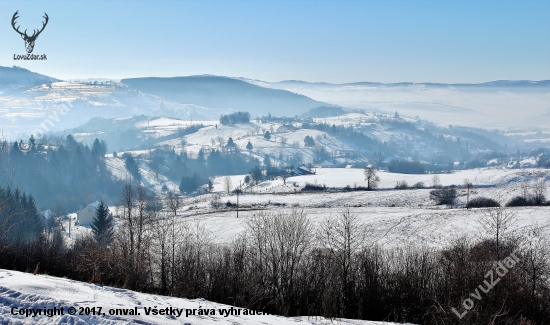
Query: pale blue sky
{"x":333,"y":41}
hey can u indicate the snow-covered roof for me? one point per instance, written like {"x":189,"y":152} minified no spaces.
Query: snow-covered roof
{"x":94,"y":204}
{"x":47,"y":214}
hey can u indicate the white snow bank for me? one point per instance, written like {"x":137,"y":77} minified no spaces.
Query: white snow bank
{"x":20,"y":292}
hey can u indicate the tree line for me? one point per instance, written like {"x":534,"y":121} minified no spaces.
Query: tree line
{"x":284,"y":264}
{"x":58,"y":172}
{"x":19,"y":218}
{"x":234,"y":118}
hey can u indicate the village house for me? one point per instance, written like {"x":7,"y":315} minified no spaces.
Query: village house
{"x":86,"y":216}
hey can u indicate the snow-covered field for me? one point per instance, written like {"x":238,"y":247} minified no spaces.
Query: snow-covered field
{"x":23,"y":293}
{"x":340,"y":177}
{"x":392,"y":227}
{"x":394,"y":217}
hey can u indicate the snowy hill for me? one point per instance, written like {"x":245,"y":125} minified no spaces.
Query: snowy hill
{"x":22,"y":293}
{"x":61,"y":105}
{"x":352,"y":138}
{"x":224,"y":92}
{"x":20,"y":78}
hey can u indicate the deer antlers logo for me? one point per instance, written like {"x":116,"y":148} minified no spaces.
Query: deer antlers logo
{"x":29,"y":40}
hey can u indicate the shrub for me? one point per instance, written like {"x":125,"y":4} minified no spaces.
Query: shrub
{"x":531,"y":200}
{"x":216,"y":204}
{"x":537,"y":199}
{"x":419,"y":185}
{"x":401,"y":185}
{"x":482,"y":202}
{"x":313,"y":187}
{"x":444,"y":195}
{"x":518,"y":201}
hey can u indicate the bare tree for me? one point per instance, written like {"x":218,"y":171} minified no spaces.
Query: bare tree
{"x":174,"y":203}
{"x":436,"y":182}
{"x":539,"y":191}
{"x":92,"y":258}
{"x":279,"y":243}
{"x":498,"y":223}
{"x":343,"y":236}
{"x":284,"y":177}
{"x":165,"y":236}
{"x":137,"y":209}
{"x":535,"y":259}
{"x":221,"y":141}
{"x":524,"y":185}
{"x":467,"y":185}
{"x":210,"y":184}
{"x":127,"y":205}
{"x":228,"y":184}
{"x":378,"y":158}
{"x":371,"y":178}
{"x":145,"y":213}
{"x":284,"y":141}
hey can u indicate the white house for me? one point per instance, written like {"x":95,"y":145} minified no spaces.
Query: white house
{"x":87,"y":214}
{"x":513,"y":165}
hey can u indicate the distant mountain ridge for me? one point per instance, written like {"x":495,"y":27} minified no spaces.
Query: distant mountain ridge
{"x":28,"y":97}
{"x":224,"y":92}
{"x":17,"y":76}
{"x":495,"y":83}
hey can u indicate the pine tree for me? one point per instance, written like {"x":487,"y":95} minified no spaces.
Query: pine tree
{"x":231,"y":144}
{"x":98,"y":149}
{"x":249,"y":146}
{"x":102,"y":226}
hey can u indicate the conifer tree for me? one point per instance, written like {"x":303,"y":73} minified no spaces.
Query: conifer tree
{"x":102,"y":225}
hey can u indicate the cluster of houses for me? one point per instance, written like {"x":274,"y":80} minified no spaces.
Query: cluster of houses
{"x":542,"y":160}
{"x":84,"y":217}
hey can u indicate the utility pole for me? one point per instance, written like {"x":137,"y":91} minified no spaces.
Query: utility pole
{"x":238,"y":192}
{"x":468,"y":186}
{"x":468,"y":197}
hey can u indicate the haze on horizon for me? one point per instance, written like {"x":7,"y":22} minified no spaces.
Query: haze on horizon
{"x":327,"y":41}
